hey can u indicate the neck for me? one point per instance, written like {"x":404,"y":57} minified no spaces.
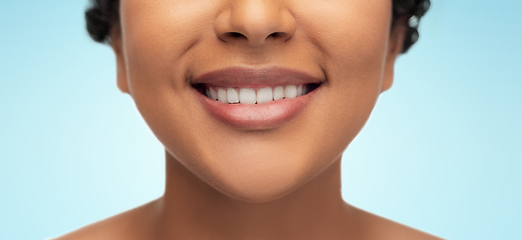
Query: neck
{"x":193,"y":209}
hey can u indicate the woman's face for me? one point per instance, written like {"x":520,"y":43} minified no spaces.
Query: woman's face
{"x":169,"y":52}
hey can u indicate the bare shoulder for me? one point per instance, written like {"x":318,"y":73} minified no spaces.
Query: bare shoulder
{"x":376,"y":227}
{"x":132,"y":224}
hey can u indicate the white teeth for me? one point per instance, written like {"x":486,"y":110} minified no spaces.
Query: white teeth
{"x":290,"y":91}
{"x":222,"y":95}
{"x":251,"y":96}
{"x":279,"y":92}
{"x":264,"y":95}
{"x":299,"y":90}
{"x":232,"y":95}
{"x":213,"y":94}
{"x":247,"y":96}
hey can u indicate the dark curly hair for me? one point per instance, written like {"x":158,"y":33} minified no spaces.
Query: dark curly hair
{"x":102,"y":14}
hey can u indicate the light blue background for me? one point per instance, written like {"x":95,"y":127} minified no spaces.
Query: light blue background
{"x":441,"y":152}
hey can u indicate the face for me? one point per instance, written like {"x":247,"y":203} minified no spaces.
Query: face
{"x":186,"y":64}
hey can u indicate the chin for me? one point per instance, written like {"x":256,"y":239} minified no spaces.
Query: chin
{"x":259,"y":179}
{"x":259,"y":188}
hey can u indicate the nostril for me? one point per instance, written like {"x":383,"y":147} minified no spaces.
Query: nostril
{"x":235,"y":35}
{"x":231,"y":36}
{"x":276,"y":34}
{"x":238,"y":35}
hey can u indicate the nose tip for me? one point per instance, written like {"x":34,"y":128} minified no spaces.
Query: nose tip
{"x":255,"y":22}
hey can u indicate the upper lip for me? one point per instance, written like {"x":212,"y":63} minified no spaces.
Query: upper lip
{"x":255,"y":77}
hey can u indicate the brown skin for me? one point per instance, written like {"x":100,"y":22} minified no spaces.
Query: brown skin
{"x":227,"y":183}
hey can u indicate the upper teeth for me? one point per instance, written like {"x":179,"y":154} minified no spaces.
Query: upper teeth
{"x":253,"y":96}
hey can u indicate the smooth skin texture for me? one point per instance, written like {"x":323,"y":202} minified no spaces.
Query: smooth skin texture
{"x":277,"y":183}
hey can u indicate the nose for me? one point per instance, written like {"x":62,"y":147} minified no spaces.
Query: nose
{"x":255,"y":22}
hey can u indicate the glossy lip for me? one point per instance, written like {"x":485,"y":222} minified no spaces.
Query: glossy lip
{"x":251,"y":77}
{"x":256,"y":116}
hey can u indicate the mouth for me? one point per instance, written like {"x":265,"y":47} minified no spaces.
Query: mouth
{"x":255,"y":98}
{"x":236,"y":95}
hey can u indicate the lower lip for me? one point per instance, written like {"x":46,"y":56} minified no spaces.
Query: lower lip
{"x":256,"y":116}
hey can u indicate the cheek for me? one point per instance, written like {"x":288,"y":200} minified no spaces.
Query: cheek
{"x":157,"y":39}
{"x":351,"y":34}
{"x":353,"y":37}
{"x":157,"y":36}
{"x":353,"y":43}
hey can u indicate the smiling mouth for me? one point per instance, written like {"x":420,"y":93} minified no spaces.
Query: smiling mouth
{"x":236,"y":95}
{"x":255,"y":98}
